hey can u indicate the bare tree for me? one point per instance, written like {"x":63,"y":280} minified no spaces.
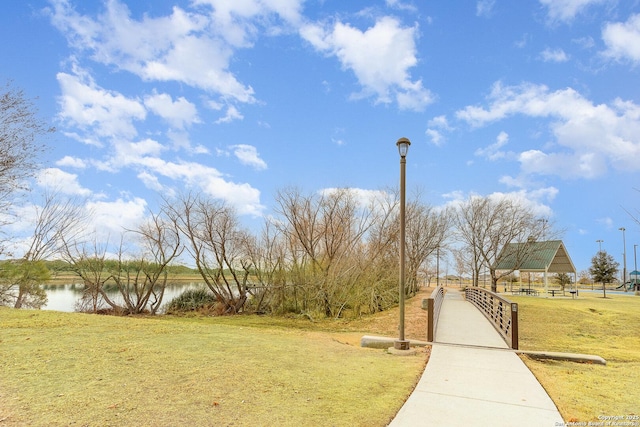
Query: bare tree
{"x":326,"y":235}
{"x":56,"y":218}
{"x":217,"y":244}
{"x":426,"y":232}
{"x":267,"y":254}
{"x":462,"y":262}
{"x":20,"y":129}
{"x":88,"y":261}
{"x":139,"y":278}
{"x":143,"y":279}
{"x":487,"y":225}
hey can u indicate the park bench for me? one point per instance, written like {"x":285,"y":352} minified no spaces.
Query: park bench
{"x":555,"y":291}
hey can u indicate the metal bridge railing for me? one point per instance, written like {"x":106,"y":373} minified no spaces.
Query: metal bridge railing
{"x":501,"y":312}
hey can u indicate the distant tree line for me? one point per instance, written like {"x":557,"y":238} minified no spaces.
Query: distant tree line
{"x":322,"y":254}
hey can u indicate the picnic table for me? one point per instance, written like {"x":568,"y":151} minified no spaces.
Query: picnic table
{"x":526,"y":291}
{"x":554,"y":291}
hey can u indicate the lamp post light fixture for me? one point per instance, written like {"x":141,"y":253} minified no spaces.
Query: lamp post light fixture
{"x":624,"y":259}
{"x":403,"y":147}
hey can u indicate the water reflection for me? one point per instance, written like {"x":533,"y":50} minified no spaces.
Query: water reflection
{"x":65,"y":297}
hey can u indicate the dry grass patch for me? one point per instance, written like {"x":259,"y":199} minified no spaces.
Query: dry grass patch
{"x":591,"y":325}
{"x":59,"y":369}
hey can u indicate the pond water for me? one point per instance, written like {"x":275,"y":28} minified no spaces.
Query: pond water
{"x":65,"y":297}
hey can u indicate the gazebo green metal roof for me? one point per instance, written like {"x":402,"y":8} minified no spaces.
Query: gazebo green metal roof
{"x":550,"y":256}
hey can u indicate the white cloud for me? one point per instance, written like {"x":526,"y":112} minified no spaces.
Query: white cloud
{"x":623,"y":39}
{"x":536,"y":201}
{"x":397,"y":4}
{"x":380,"y":57}
{"x":248,"y":155}
{"x":151,"y":181}
{"x":72,"y":162}
{"x":554,"y":55}
{"x":244,"y":197}
{"x":567,"y":10}
{"x":179,"y":113}
{"x":89,"y":107}
{"x":112,"y":218}
{"x":581,"y":165}
{"x":237,"y":21}
{"x":440,"y":122}
{"x":606,"y":221}
{"x":484,"y":8}
{"x":493,"y":152}
{"x":364,"y":198}
{"x":590,"y":137}
{"x":435,"y":136}
{"x":436,"y":127}
{"x":60,"y":181}
{"x":128,"y":154}
{"x":231,"y":115}
{"x":179,"y":47}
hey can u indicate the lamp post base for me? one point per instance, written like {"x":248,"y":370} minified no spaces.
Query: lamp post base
{"x":401,"y":344}
{"x":401,"y":348}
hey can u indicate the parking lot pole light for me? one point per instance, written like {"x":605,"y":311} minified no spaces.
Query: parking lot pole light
{"x":624,"y":259}
{"x":403,"y":148}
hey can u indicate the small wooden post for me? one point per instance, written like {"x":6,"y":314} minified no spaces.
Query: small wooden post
{"x":430,"y":319}
{"x":514,"y":325}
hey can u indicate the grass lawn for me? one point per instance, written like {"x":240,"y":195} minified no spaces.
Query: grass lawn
{"x":593,"y":325}
{"x":62,"y":369}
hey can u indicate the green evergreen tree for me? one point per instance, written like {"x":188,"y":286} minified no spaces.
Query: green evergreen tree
{"x":603,"y":269}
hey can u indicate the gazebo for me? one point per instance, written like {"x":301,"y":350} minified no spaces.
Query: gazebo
{"x":537,"y":257}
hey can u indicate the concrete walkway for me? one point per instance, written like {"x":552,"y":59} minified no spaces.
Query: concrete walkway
{"x":467,"y":383}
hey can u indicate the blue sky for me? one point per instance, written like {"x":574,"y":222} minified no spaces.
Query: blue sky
{"x":538,"y":99}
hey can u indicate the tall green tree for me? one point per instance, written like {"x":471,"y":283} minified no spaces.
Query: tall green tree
{"x":604,"y":269}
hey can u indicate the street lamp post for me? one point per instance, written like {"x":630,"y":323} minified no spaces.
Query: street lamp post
{"x":624,"y":259}
{"x":635,"y":269}
{"x":403,"y":148}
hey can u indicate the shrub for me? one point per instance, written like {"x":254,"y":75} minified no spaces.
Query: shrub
{"x":191,"y":300}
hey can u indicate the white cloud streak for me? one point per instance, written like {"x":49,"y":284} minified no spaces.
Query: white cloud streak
{"x":248,"y":155}
{"x":493,"y":152}
{"x":567,"y":10}
{"x":554,"y":55}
